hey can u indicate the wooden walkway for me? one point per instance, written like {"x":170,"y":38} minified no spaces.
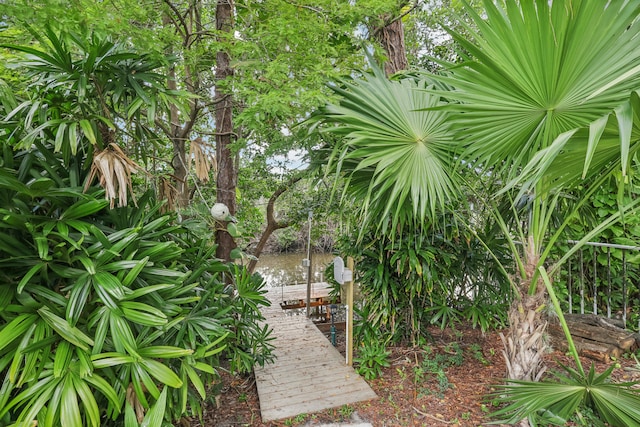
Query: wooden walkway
{"x":309,"y":374}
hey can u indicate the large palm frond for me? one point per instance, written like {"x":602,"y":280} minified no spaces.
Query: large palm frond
{"x":615,"y":403}
{"x":394,"y":155}
{"x":541,"y":70}
{"x":607,"y":145}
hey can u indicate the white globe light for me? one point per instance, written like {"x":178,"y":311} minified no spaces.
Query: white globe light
{"x":219,"y":211}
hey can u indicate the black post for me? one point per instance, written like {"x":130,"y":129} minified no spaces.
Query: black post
{"x":333,"y":324}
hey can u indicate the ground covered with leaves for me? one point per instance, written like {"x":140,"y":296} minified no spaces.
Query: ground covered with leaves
{"x":444,"y":382}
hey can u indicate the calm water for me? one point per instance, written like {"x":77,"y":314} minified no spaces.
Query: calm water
{"x":287,"y":269}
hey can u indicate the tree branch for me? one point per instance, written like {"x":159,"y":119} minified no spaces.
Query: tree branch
{"x":386,"y":23}
{"x":272,"y":222}
{"x":316,"y":10}
{"x":185,"y":33}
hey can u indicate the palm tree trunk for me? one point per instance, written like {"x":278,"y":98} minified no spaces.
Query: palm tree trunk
{"x":525,"y":344}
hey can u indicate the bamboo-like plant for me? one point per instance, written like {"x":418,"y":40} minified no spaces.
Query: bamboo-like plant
{"x":107,"y":316}
{"x":110,"y":316}
{"x":90,"y":94}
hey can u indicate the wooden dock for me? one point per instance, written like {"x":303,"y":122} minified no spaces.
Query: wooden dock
{"x":309,"y":374}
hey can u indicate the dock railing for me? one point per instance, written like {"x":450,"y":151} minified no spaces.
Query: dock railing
{"x":603,"y":279}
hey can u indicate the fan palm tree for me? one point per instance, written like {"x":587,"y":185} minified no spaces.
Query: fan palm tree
{"x":546,"y":96}
{"x":395,"y":158}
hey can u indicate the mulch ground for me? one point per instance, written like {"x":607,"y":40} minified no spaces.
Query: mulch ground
{"x":409,"y":394}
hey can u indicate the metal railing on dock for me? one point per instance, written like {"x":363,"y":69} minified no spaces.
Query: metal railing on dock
{"x":602,"y":278}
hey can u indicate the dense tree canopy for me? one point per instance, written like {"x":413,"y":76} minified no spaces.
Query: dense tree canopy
{"x":282,"y":55}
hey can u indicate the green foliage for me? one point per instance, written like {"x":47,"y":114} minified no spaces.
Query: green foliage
{"x":346,"y":411}
{"x":286,"y":54}
{"x":108,"y":314}
{"x":612,"y":271}
{"x":286,"y":240}
{"x":477,"y":354}
{"x":550,"y":92}
{"x":397,"y":280}
{"x":555,"y":401}
{"x":435,"y":364}
{"x":252,"y":340}
{"x":394,"y":156}
{"x":586,"y":417}
{"x":414,"y":279}
{"x":372,"y":357}
{"x":426,"y":41}
{"x":93,"y":99}
{"x":87,"y":91}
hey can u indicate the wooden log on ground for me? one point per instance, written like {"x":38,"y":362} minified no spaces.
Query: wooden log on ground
{"x":611,"y":324}
{"x":595,"y":320}
{"x":591,"y":349}
{"x":622,"y":339}
{"x":595,"y":337}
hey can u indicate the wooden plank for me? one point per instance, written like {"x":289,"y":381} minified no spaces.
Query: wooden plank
{"x":285,"y":398}
{"x":282,"y":374}
{"x":302,"y":362}
{"x":331,"y":380}
{"x":308,"y":358}
{"x":298,"y":292}
{"x":310,"y":405}
{"x":309,"y":374}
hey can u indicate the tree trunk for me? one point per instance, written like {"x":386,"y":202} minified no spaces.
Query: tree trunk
{"x":179,"y":160}
{"x":227,"y":174}
{"x":178,"y":131}
{"x":525,"y":343}
{"x":391,"y":38}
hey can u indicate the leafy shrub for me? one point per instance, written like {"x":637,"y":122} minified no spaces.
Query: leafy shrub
{"x":435,"y":364}
{"x":420,"y":277}
{"x":601,"y":271}
{"x":108,"y":312}
{"x":372,"y":357}
{"x":107,"y":316}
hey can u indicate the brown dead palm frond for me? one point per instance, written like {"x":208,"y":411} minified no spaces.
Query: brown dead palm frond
{"x":135,"y":403}
{"x":166,"y":191}
{"x":203,"y":155}
{"x":113,"y":169}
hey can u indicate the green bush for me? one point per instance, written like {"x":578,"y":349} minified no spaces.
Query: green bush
{"x":372,"y":357}
{"x":108,"y":312}
{"x":425,"y":275}
{"x":107,"y":316}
